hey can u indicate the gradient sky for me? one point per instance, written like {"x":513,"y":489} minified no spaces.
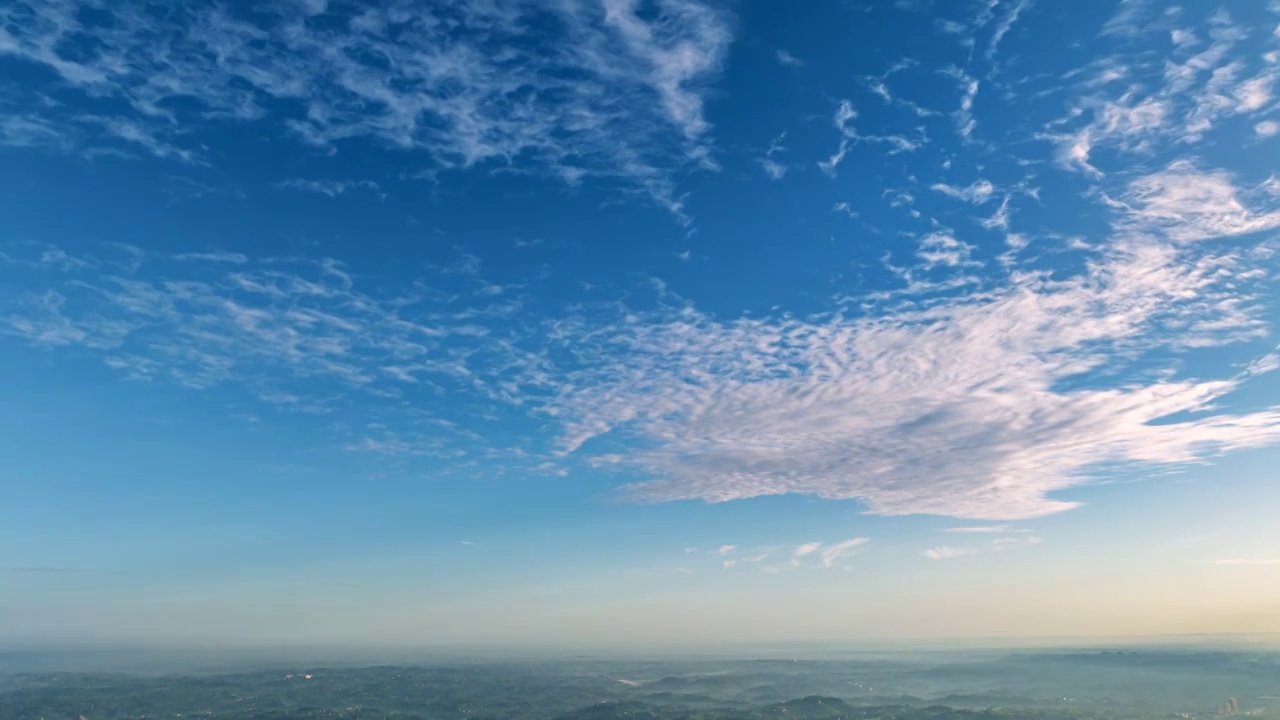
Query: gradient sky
{"x":609,"y":321}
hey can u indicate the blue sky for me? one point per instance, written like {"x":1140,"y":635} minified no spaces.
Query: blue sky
{"x":622,"y":322}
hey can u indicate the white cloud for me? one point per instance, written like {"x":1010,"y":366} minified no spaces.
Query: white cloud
{"x":969,"y":86}
{"x":1126,"y":123}
{"x":773,"y":169}
{"x":35,"y":131}
{"x":978,"y":193}
{"x":981,"y":529}
{"x":942,"y":249}
{"x":726,"y":549}
{"x":811,"y":554}
{"x":146,"y":136}
{"x":290,"y":332}
{"x":1189,"y":99}
{"x":805,"y":549}
{"x":1267,"y":128}
{"x":787,"y":59}
{"x":878,"y":87}
{"x":1004,"y":542}
{"x":1000,"y":219}
{"x":1182,"y":38}
{"x":332,"y":188}
{"x":1127,"y":19}
{"x":620,"y":98}
{"x":831,"y":554}
{"x":830,"y":165}
{"x":843,"y":121}
{"x":1254,"y":93}
{"x":1006,"y":23}
{"x":1189,"y":204}
{"x":947,"y":552}
{"x":233,"y":258}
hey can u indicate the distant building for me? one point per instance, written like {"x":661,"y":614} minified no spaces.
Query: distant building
{"x":1233,"y":706}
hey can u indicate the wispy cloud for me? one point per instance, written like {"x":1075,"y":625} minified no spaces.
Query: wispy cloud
{"x":843,"y":120}
{"x":1188,"y":204}
{"x":293,"y":333}
{"x":154,"y":140}
{"x":213,"y":257}
{"x":981,"y":529}
{"x":331,"y":188}
{"x":805,"y":549}
{"x":1128,"y":18}
{"x":969,"y":86}
{"x":948,"y":552}
{"x":36,"y":132}
{"x":832,"y":554}
{"x":817,"y":555}
{"x":620,"y":98}
{"x":787,"y":59}
{"x":845,"y":208}
{"x":1002,"y":28}
{"x":775,"y":169}
{"x":943,"y":249}
{"x":978,"y":192}
{"x":1183,"y":100}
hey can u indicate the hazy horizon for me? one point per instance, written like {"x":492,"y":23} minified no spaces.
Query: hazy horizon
{"x":638,"y":323}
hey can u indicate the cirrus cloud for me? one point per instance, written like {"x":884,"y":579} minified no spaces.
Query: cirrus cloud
{"x":615,"y":94}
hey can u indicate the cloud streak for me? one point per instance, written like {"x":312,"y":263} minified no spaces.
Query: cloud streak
{"x":817,"y":555}
{"x":951,"y":552}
